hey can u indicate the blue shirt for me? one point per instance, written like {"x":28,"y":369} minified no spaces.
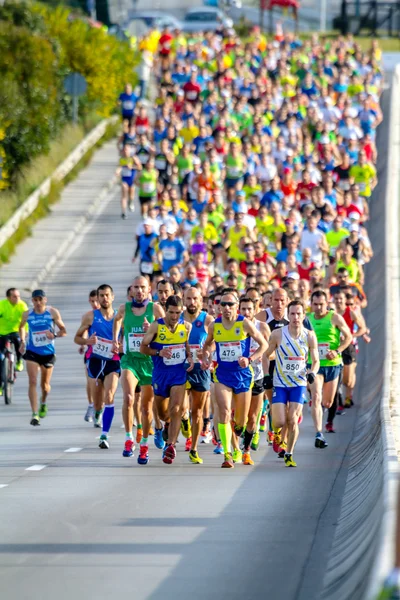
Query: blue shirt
{"x":172,"y":253}
{"x":39,"y":324}
{"x":128,"y":103}
{"x":146,"y":251}
{"x":271,"y":196}
{"x":283,"y":254}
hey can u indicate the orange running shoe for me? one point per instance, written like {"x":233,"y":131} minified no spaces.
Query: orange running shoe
{"x":188,"y":444}
{"x":246,"y":459}
{"x":228,"y":462}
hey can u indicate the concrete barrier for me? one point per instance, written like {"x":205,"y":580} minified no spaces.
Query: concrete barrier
{"x":31,"y":203}
{"x":362,"y":552}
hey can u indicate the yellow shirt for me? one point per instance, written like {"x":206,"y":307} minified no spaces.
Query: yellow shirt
{"x":189,"y":133}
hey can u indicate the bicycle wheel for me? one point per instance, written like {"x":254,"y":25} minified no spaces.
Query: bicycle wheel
{"x":7,"y":372}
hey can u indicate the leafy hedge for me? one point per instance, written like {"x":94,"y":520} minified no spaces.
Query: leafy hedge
{"x":39,"y":47}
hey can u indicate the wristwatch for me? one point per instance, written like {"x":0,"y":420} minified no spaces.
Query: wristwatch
{"x":157,"y":353}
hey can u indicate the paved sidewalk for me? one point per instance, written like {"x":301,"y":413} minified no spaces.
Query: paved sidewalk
{"x":50,"y":233}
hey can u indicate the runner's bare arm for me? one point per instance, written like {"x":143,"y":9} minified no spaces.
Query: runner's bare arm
{"x":118,"y":322}
{"x":147,"y":339}
{"x":62,"y":331}
{"x":274,"y":341}
{"x":251,"y":330}
{"x":341,"y":324}
{"x":313,"y":347}
{"x":189,"y":357}
{"x":22,"y":326}
{"x":206,"y":359}
{"x":266,"y":333}
{"x":80,"y":339}
{"x":360,"y":322}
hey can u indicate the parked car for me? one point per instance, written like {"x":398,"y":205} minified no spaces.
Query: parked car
{"x":205,"y":19}
{"x":155,"y":18}
{"x":223,"y":4}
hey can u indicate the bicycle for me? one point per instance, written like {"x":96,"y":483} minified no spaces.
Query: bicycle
{"x":7,"y":371}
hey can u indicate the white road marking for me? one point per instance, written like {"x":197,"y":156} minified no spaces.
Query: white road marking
{"x":3,"y":485}
{"x":73,"y":450}
{"x":36,"y":468}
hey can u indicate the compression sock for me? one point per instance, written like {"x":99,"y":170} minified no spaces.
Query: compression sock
{"x":270,"y":420}
{"x":225,"y":434}
{"x":238,"y":430}
{"x":97,"y":414}
{"x":265,"y":406}
{"x":258,"y":420}
{"x":129,"y":435}
{"x":248,"y":436}
{"x":108,"y":416}
{"x":144,"y":441}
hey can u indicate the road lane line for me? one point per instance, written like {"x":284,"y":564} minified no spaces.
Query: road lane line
{"x":3,"y":485}
{"x":36,"y":468}
{"x":73,"y":450}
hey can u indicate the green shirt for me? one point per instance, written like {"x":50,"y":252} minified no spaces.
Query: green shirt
{"x":133,"y":330}
{"x":328,"y":338}
{"x":10,"y":316}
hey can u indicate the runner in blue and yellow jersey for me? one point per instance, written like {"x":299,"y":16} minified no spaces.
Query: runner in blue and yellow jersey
{"x":233,"y":375}
{"x":166,"y":341}
{"x":103,"y":365}
{"x":292,"y":344}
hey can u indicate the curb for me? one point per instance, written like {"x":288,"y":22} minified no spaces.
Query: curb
{"x":47,"y":269}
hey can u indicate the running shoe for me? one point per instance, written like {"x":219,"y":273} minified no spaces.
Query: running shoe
{"x":255,"y":442}
{"x":128,"y":448}
{"x":263,"y":422}
{"x":188,"y":444}
{"x":131,"y":206}
{"x":103,"y":443}
{"x":158,"y":439}
{"x":340,"y":411}
{"x":289,"y":462}
{"x":169,"y":454}
{"x":123,"y":216}
{"x":277,"y":442}
{"x":329,"y":427}
{"x":151,"y":431}
{"x":206,"y":436}
{"x":237,"y":456}
{"x":195,"y":458}
{"x":348,"y":403}
{"x":270,"y":438}
{"x":282,"y":450}
{"x":139,"y":435}
{"x":143,"y":457}
{"x":246,"y":459}
{"x":165,"y":432}
{"x":228,"y":462}
{"x":43,"y":411}
{"x":89,"y":414}
{"x":186,"y":428}
{"x":218,"y":448}
{"x":19,"y":366}
{"x":35,"y":420}
{"x":214,"y":437}
{"x":320,"y":441}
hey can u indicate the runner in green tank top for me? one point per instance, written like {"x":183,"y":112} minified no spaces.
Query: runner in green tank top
{"x":136,"y":367}
{"x":333,"y":336}
{"x":147,"y":185}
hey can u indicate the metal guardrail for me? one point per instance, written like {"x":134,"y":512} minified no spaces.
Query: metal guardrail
{"x":371,"y":15}
{"x":31,"y":203}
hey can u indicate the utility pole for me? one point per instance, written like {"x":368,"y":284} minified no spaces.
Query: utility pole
{"x":322,"y":22}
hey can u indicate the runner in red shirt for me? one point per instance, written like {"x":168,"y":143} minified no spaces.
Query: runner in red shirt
{"x":191,"y":88}
{"x":305,"y":266}
{"x":164,"y":47}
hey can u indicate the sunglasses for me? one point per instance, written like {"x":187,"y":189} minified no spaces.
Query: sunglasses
{"x":228,"y":303}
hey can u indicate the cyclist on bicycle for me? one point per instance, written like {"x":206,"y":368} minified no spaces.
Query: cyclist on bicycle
{"x":11,"y":310}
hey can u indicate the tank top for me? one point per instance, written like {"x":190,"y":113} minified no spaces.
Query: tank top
{"x":328,"y":338}
{"x":234,"y":237}
{"x":197,"y":336}
{"x":275,"y":323}
{"x":350,"y":323}
{"x":176,"y":340}
{"x":257,"y":365}
{"x":103,"y":330}
{"x":291,"y":360}
{"x":234,"y":167}
{"x":161,"y":162}
{"x":231,"y":344}
{"x":39,"y":324}
{"x":147,"y":183}
{"x":133,"y":330}
{"x":126,"y":164}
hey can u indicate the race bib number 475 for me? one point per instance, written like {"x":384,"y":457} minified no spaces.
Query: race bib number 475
{"x":230,"y":351}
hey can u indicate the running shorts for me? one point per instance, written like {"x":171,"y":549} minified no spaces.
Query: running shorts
{"x":258,"y":387}
{"x":239,"y":381}
{"x":349,"y":355}
{"x":330,"y":373}
{"x":232,"y":183}
{"x":141,"y":368}
{"x":198,"y":380}
{"x":44,"y":360}
{"x":162,"y":382}
{"x":99,"y":369}
{"x":146,"y":199}
{"x":284,"y":395}
{"x":129,"y":180}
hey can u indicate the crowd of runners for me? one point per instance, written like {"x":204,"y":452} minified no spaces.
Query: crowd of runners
{"x":252,"y":164}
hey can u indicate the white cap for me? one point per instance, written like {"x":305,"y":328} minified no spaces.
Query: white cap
{"x":353,"y":227}
{"x":355,"y":216}
{"x":171,"y":229}
{"x":148,"y":222}
{"x":293,"y":275}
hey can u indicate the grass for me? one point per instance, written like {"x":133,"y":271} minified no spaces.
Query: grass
{"x":45,"y":203}
{"x":42,"y":167}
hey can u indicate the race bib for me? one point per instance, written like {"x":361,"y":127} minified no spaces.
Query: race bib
{"x":144,"y":157}
{"x":194,"y":349}
{"x":323,"y":350}
{"x":169,"y":253}
{"x":234,"y":172}
{"x":178,"y":355}
{"x":191,"y":95}
{"x":141,"y":129}
{"x":148,"y":188}
{"x":161,"y":164}
{"x":344,"y":184}
{"x":134,"y":341}
{"x":40,"y":338}
{"x":293,"y":365}
{"x":362,"y":186}
{"x":128,"y":105}
{"x":230,"y":351}
{"x":126,"y":172}
{"x":103,"y":348}
{"x":146,"y":267}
